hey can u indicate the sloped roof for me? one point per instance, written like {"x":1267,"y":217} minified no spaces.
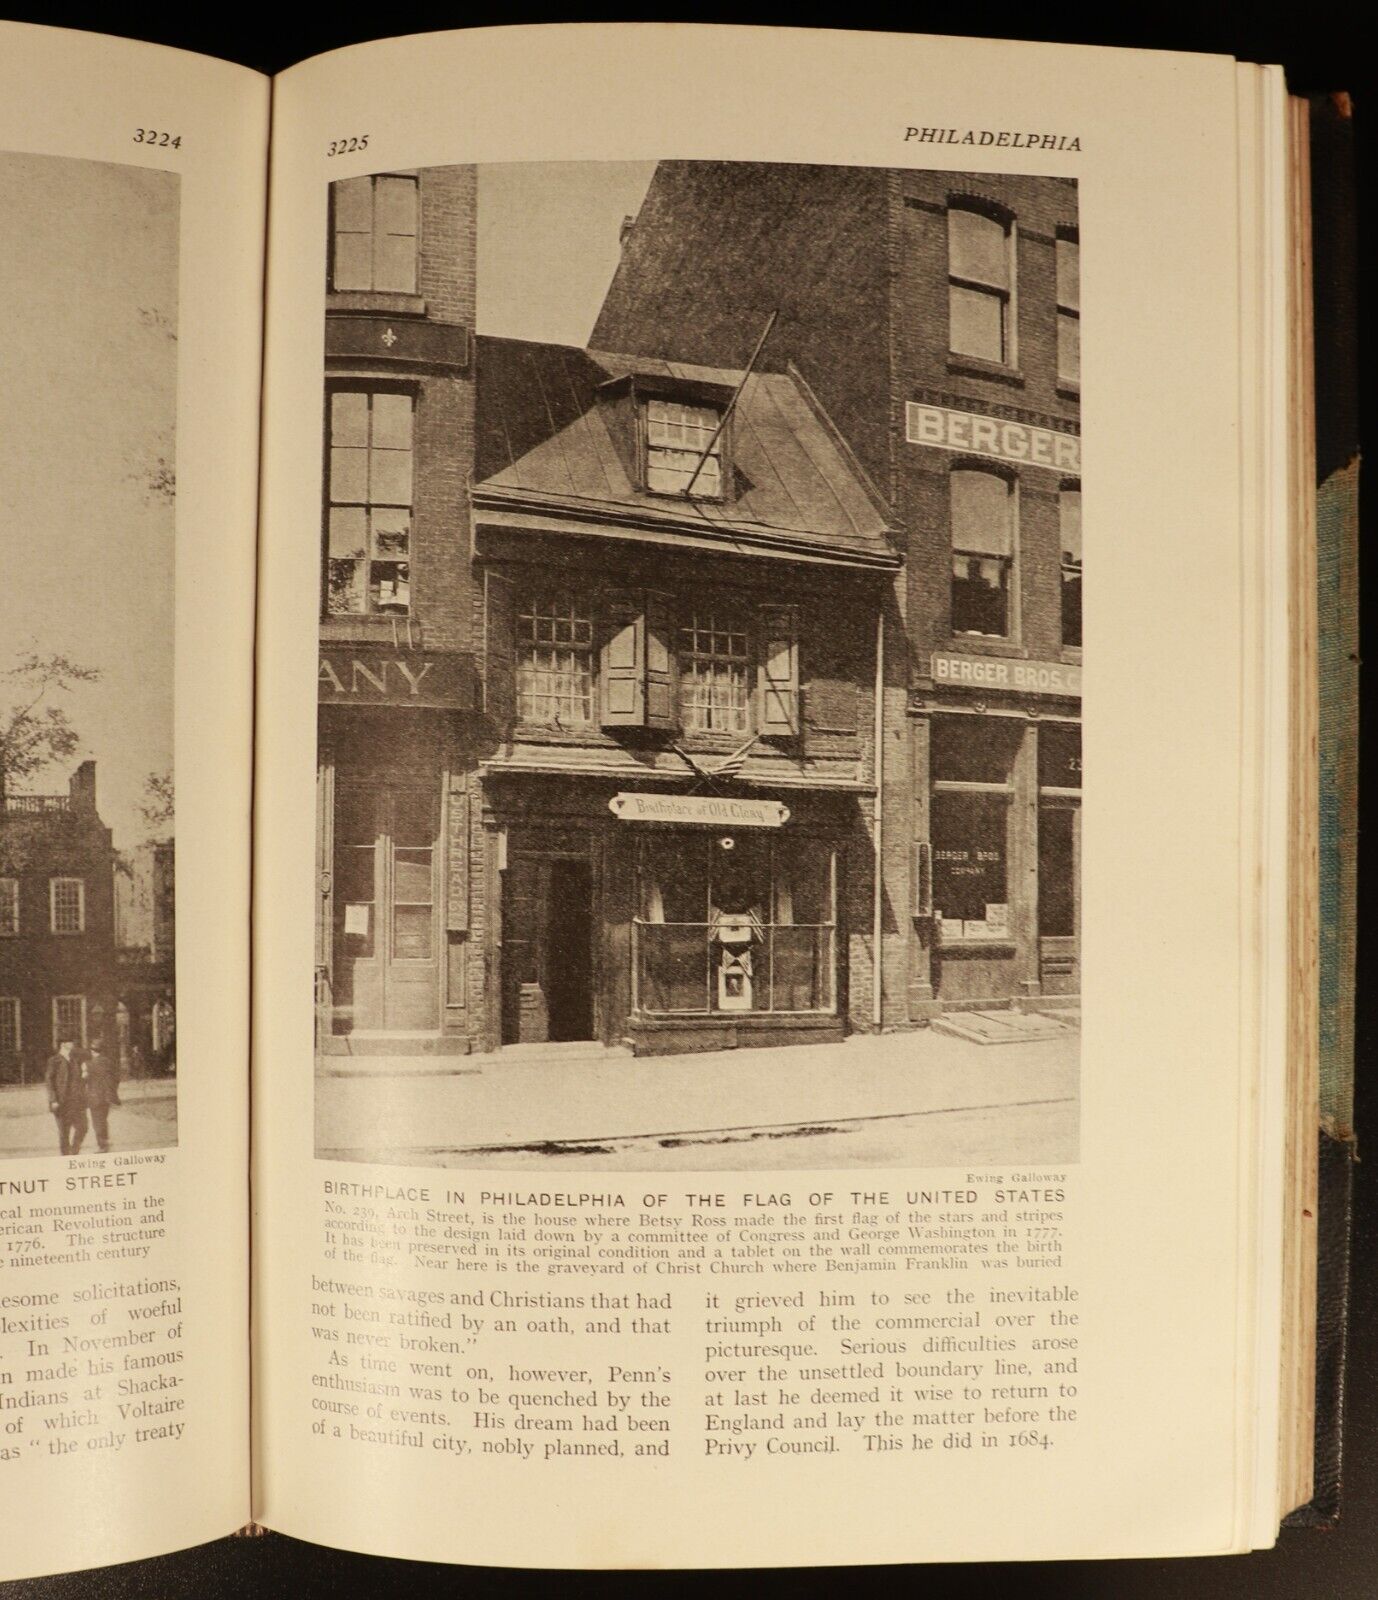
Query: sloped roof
{"x":552,"y":439}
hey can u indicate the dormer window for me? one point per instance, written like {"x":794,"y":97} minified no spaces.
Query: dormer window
{"x":683,"y":449}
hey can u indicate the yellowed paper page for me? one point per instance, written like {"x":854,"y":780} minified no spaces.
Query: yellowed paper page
{"x":763,"y":1011}
{"x":131,"y":210}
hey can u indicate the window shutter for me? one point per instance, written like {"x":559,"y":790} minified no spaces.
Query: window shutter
{"x":661,"y":711}
{"x":622,"y":666}
{"x":499,"y":649}
{"x":778,"y":675}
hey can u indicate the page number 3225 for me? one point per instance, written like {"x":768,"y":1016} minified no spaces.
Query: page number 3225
{"x":348,"y":147}
{"x":164,"y":141}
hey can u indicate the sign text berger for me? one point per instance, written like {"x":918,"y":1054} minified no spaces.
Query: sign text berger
{"x":1019,"y":442}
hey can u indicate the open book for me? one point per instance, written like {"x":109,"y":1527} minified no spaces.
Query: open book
{"x":741,"y":958}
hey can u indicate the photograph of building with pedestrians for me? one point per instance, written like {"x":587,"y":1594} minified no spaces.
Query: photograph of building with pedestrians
{"x":87,"y":877}
{"x":700,"y":667}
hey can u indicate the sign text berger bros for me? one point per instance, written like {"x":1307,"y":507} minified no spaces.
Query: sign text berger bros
{"x":1020,"y":442}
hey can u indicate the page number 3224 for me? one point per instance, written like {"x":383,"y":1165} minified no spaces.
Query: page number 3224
{"x":164,"y":141}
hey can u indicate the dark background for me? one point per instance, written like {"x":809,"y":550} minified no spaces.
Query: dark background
{"x":1322,"y":51}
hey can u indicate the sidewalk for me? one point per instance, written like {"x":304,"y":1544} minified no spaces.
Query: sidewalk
{"x":23,"y":1099}
{"x":145,"y":1119}
{"x":490,"y":1103}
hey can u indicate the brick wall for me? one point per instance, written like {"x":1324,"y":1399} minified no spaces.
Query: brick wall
{"x":924,"y":370}
{"x":718,"y":245}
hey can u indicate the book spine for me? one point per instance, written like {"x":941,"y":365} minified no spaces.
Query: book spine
{"x":1334,"y":272}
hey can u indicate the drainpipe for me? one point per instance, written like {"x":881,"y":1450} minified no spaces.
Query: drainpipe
{"x":878,"y":816}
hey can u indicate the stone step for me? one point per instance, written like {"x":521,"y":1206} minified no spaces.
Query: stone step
{"x":1000,"y":1027}
{"x":582,"y":1050}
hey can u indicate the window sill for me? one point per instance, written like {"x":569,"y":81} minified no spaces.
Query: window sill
{"x":979,"y":367}
{"x":1069,"y":388}
{"x":385,"y":303}
{"x":373,"y":629}
{"x":977,"y":947}
{"x":986,"y":644}
{"x":1071,"y":654}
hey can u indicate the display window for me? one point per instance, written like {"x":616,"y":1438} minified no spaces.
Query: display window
{"x":735,"y":923}
{"x":973,"y":763}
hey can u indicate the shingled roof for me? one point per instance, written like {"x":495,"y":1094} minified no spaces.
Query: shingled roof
{"x":555,"y":444}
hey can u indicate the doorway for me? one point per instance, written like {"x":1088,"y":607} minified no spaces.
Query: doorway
{"x":386,"y":967}
{"x":547,"y":950}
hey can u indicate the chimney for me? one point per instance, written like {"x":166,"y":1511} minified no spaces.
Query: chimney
{"x":82,"y":788}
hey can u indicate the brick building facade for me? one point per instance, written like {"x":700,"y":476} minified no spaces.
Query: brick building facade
{"x":398,"y":689}
{"x":57,"y":923}
{"x":598,"y":667}
{"x":937,"y":317}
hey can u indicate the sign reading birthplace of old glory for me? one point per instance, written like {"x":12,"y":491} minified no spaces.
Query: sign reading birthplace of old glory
{"x":707,"y":810}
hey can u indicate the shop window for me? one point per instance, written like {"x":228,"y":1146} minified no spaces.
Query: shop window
{"x":11,"y":1039}
{"x":69,"y":1018}
{"x":555,"y":661}
{"x":369,"y":502}
{"x":374,"y":233}
{"x":736,"y":923}
{"x":684,"y":449}
{"x":67,"y":905}
{"x":980,"y":253}
{"x":983,"y":542}
{"x":973,"y":759}
{"x":1068,"y":305}
{"x":9,"y":907}
{"x":1069,"y":519}
{"x":714,"y":671}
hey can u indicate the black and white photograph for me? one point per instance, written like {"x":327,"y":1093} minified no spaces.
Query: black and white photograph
{"x":88,"y":276}
{"x":699,"y":742}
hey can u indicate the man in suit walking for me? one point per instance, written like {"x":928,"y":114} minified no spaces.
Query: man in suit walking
{"x":102,"y":1068}
{"x":66,"y":1081}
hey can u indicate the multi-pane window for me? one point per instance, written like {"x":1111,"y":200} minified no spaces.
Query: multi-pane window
{"x":980,"y":254}
{"x":9,"y":907}
{"x":983,"y":537}
{"x":678,"y":453}
{"x":11,"y":1038}
{"x":374,"y":227}
{"x":69,"y":1018}
{"x":413,"y":823}
{"x":369,"y":502}
{"x":1069,"y":517}
{"x":555,"y":661}
{"x":67,"y":905}
{"x":973,"y":762}
{"x":781,"y":892}
{"x":714,"y":675}
{"x":1068,"y":306}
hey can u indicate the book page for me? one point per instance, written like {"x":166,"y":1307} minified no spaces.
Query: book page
{"x":132,"y":186}
{"x":766,"y":1020}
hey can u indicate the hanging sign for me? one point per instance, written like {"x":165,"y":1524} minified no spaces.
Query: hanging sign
{"x":700,"y":810}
